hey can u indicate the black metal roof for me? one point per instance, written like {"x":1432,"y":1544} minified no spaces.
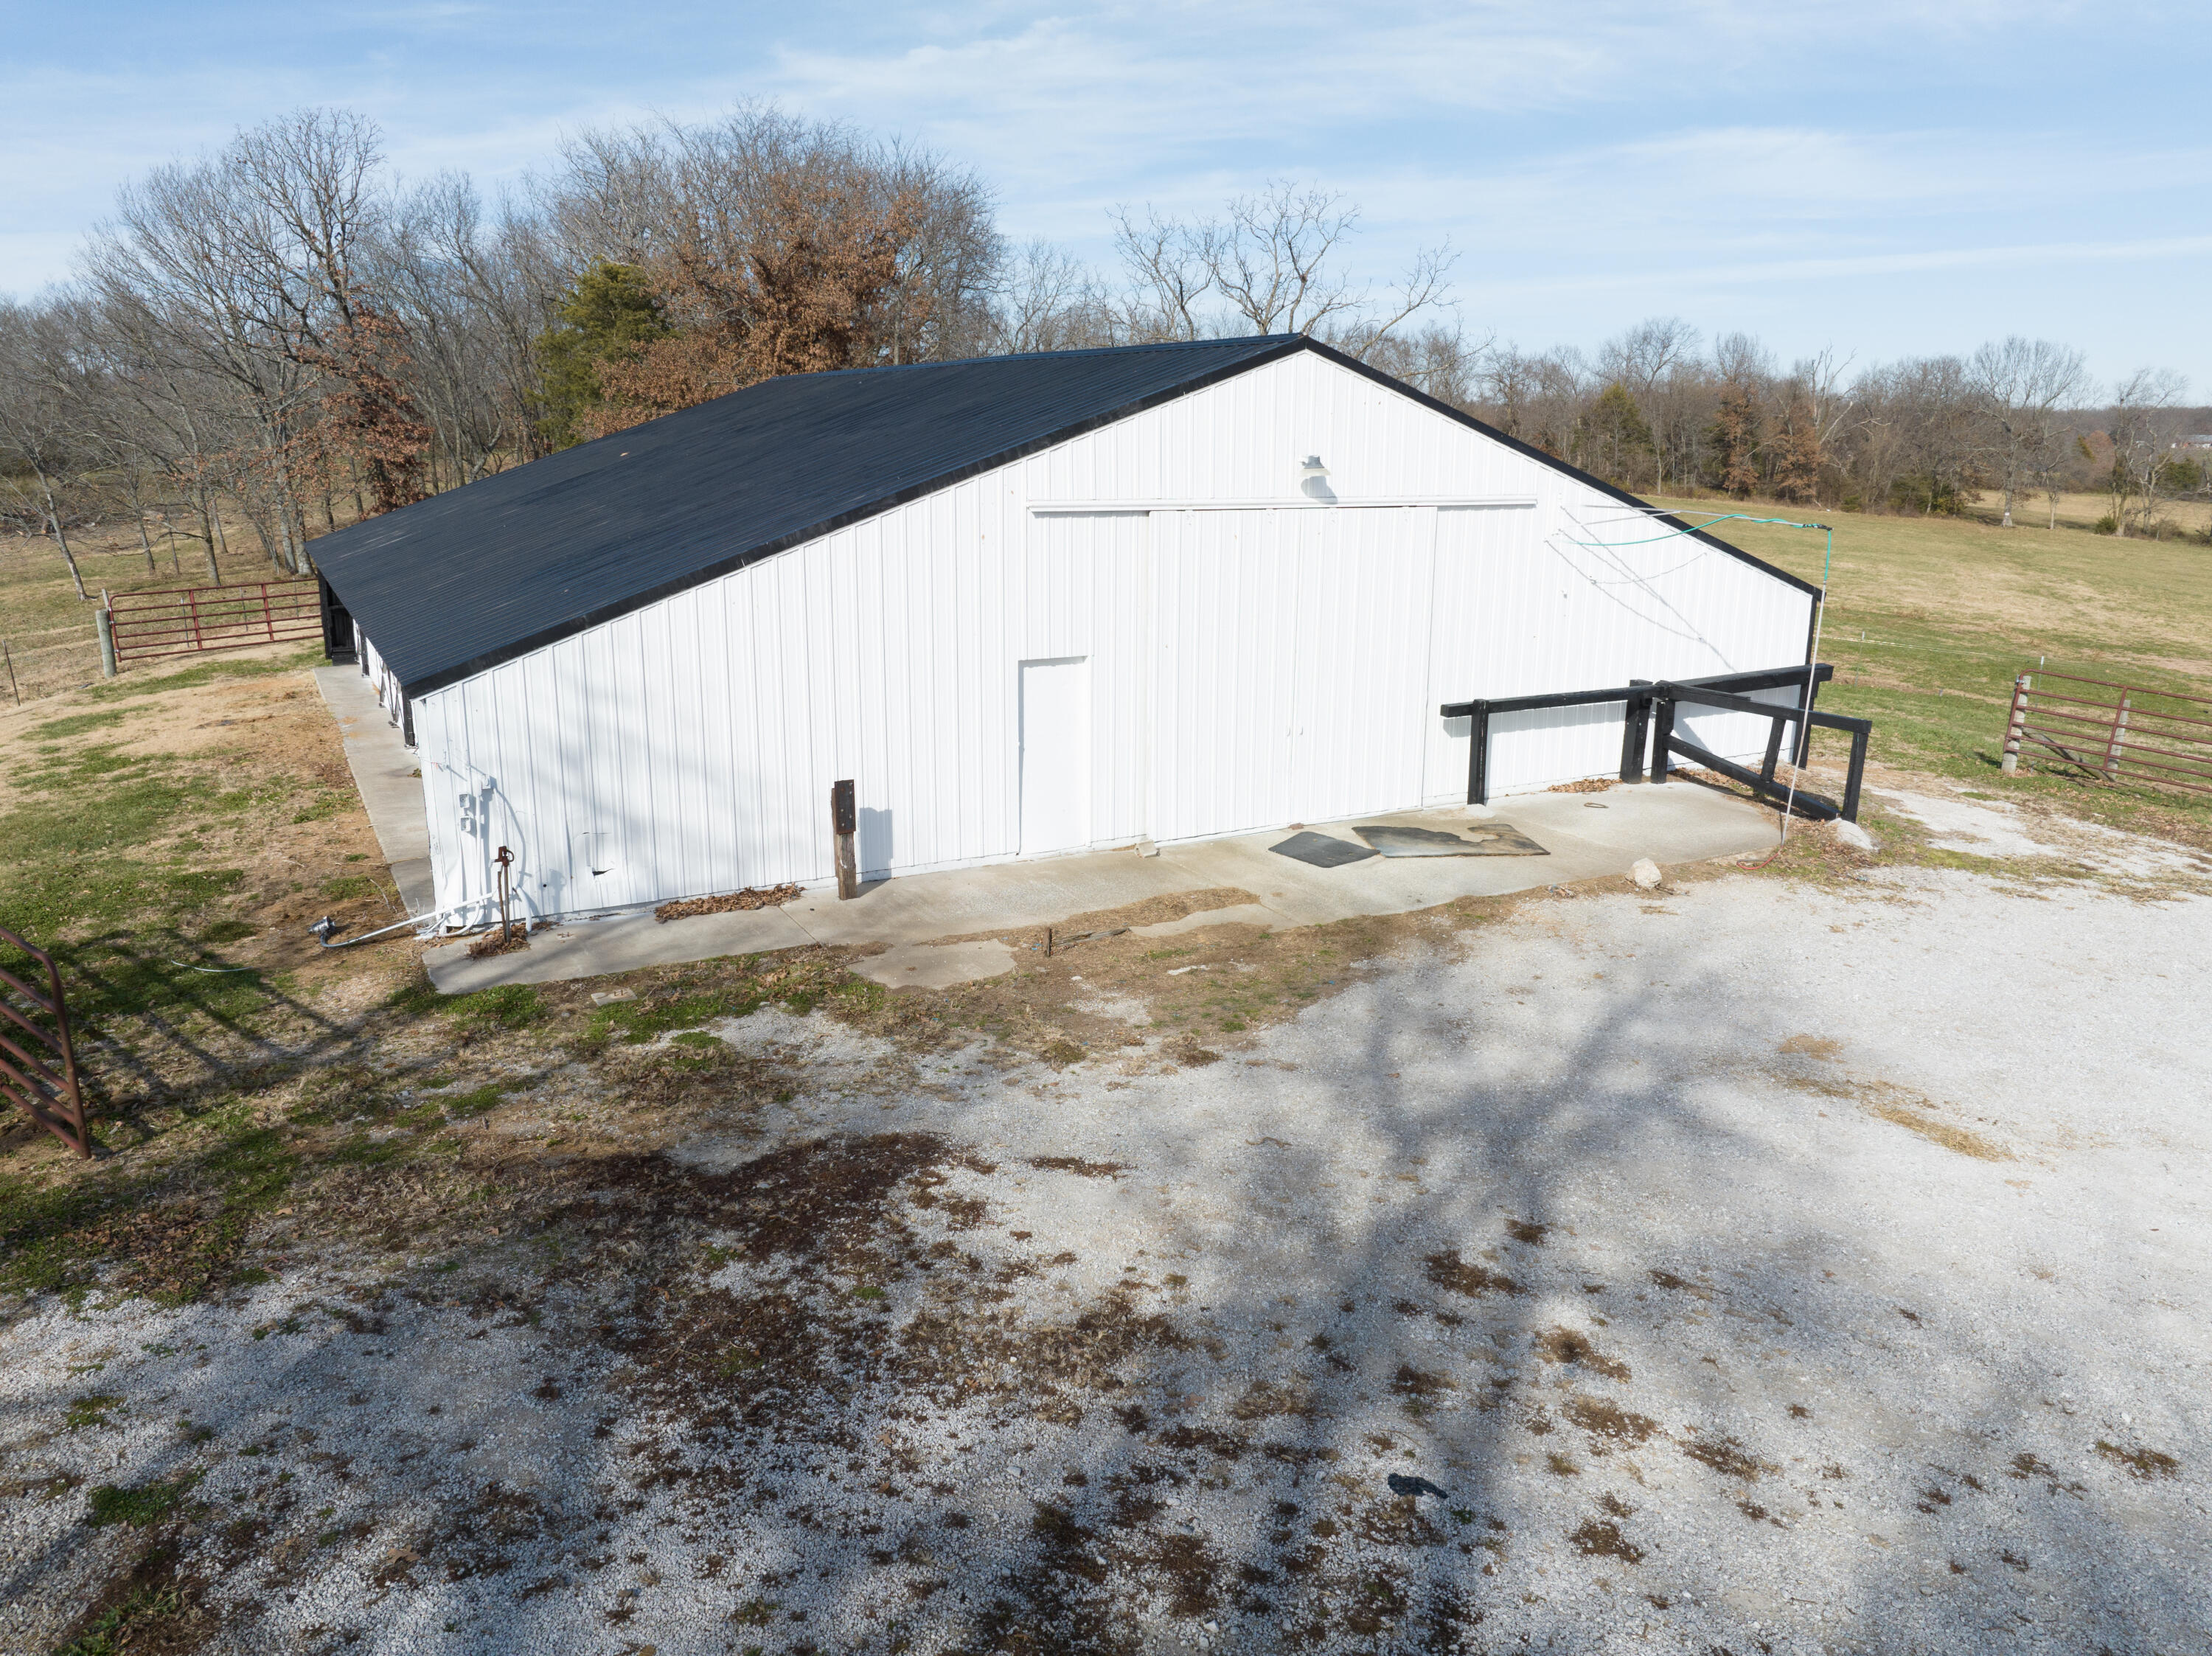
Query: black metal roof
{"x":460,"y":582}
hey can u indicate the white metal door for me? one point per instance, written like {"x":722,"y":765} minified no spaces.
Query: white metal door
{"x":1055,"y":754}
{"x":1358,"y":701}
{"x":1224,"y":604}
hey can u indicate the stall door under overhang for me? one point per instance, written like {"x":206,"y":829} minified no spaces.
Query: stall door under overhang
{"x":1291,"y":679}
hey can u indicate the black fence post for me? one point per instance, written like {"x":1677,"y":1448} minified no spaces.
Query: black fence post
{"x":1635,"y":727}
{"x":1856,"y":775}
{"x":1773,"y":752}
{"x":1662,"y":732}
{"x":1478,"y":756}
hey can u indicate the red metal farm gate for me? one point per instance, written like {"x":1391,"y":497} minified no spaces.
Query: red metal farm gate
{"x":34,"y":1037}
{"x":2132,"y":735}
{"x":187,"y":620}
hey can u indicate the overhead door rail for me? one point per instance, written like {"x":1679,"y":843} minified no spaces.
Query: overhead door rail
{"x":1648,"y":714}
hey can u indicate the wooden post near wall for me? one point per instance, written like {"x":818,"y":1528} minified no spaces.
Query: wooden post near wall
{"x":844,"y":820}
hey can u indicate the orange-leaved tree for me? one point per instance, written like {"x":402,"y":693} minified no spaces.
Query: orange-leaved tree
{"x":803,"y":289}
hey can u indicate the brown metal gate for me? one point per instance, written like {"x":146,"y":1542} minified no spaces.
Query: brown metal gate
{"x":187,"y":620}
{"x":2128,"y":735}
{"x":34,"y":1034}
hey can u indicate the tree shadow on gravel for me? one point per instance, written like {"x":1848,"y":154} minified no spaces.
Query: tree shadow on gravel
{"x":1439,"y":1322}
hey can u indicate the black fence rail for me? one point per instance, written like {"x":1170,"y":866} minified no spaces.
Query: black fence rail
{"x":2130,"y":735}
{"x":34,"y":1036}
{"x":1648,"y":714}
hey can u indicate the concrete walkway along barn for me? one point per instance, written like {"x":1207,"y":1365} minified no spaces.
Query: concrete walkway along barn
{"x":1030,"y":605}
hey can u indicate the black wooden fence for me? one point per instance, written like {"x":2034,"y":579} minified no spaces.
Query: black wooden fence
{"x":1647,"y":713}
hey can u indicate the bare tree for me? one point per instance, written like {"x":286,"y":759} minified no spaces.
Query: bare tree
{"x":947,"y":267}
{"x":182,"y":258}
{"x":41,"y":411}
{"x":1272,"y":258}
{"x":1047,"y":301}
{"x":1650,"y":356}
{"x":168,"y":422}
{"x":1538,"y":399}
{"x":1423,"y":287}
{"x":448,"y":289}
{"x":2018,"y":385}
{"x":1169,"y":273}
{"x":1828,"y":401}
{"x":2144,"y":422}
{"x":1439,"y":360}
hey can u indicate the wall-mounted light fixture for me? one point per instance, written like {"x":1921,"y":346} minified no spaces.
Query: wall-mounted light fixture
{"x":1313,"y":479}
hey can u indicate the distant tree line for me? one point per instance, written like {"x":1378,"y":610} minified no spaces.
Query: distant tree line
{"x":283,"y":334}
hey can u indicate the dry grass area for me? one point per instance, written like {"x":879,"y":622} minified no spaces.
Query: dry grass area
{"x":1929,"y":619}
{"x":2081,"y":509}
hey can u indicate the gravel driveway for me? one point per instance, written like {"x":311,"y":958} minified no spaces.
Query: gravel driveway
{"x":1746,"y":1265}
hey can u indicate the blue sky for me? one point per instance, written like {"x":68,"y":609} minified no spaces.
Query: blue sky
{"x":1884,"y":179}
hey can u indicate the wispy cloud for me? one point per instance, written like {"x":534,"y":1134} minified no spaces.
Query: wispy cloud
{"x":1708,"y":277}
{"x":1594,"y":161}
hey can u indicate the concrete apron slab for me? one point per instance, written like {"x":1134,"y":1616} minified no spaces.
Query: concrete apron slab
{"x":388,"y":779}
{"x":937,"y":965}
{"x":1586,"y":836}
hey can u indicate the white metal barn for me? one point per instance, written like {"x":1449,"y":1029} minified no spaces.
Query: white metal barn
{"x":1031,"y":605}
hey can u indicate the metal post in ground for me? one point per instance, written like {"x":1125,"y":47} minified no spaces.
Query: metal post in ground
{"x":14,"y":689}
{"x":2015,"y":727}
{"x":505,"y":859}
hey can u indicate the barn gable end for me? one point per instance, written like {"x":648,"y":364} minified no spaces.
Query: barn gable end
{"x":1228,"y":652}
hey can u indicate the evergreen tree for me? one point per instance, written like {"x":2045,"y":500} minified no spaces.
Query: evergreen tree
{"x":1618,"y":431}
{"x":610,"y":315}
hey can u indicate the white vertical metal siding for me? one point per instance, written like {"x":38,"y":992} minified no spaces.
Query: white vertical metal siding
{"x":1248,"y":667}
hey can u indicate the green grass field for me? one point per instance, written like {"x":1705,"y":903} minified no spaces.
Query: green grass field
{"x":1930,"y":619}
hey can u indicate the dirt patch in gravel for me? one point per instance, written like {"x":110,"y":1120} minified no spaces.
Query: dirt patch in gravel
{"x":1913,"y":1112}
{"x":1600,"y":1537}
{"x":1568,"y":1345}
{"x":1447,"y":1270}
{"x":1607,"y":1421}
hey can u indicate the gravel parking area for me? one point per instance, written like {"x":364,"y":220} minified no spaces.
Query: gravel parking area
{"x":1744,"y":1265}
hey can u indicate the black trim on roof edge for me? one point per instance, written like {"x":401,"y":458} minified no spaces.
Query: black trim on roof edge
{"x":635,"y":601}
